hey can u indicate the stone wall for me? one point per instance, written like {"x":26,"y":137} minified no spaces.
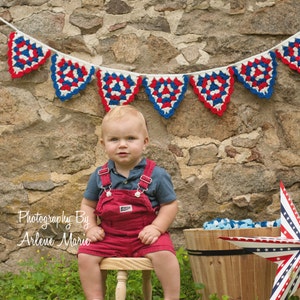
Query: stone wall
{"x":227,"y":166}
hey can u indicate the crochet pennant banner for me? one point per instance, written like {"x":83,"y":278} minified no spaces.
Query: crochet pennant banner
{"x":69,"y":77}
{"x":166,"y":91}
{"x":289,"y":53}
{"x":116,"y":88}
{"x":214,"y":88}
{"x":258,"y":74}
{"x":24,"y":55}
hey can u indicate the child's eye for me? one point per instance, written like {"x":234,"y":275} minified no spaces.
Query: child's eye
{"x":131,"y":138}
{"x":114,"y":139}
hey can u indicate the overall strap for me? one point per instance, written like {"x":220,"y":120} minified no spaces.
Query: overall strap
{"x":145,"y":179}
{"x":104,"y":175}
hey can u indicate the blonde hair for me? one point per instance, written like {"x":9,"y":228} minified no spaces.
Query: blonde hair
{"x":119,"y":112}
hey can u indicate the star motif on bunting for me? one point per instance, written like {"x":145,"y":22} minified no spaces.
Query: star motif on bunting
{"x":289,"y":54}
{"x":214,"y":89}
{"x":258,"y":74}
{"x":283,"y":250}
{"x":68,"y":77}
{"x":24,"y":55}
{"x":166,"y":92}
{"x":116,"y":88}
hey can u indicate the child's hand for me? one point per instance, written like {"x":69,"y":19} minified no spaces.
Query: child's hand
{"x":149,"y":234}
{"x":95,"y":234}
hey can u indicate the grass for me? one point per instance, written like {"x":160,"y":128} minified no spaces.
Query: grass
{"x":57,"y":279}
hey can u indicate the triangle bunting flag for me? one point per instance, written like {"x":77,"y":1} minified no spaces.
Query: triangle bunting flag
{"x":166,"y":92}
{"x":214,"y":88}
{"x":68,"y":77}
{"x":24,"y":55}
{"x":258,"y":75}
{"x":289,"y":53}
{"x":116,"y":88}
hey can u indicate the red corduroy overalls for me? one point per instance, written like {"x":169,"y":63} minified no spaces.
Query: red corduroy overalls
{"x":123,"y":214}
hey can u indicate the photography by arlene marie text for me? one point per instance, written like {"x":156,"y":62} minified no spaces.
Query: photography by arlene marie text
{"x":62,"y":222}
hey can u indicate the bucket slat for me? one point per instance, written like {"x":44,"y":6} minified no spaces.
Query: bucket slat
{"x":241,"y":276}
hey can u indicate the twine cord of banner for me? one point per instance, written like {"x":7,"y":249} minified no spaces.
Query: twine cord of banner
{"x":147,"y":74}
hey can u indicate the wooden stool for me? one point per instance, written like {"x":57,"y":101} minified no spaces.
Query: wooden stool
{"x":124,"y":264}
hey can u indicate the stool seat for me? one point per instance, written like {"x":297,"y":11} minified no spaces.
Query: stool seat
{"x":124,"y":264}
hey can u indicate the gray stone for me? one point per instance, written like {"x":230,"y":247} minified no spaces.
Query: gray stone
{"x":39,"y":185}
{"x":52,"y":24}
{"x":152,"y":24}
{"x":87,"y":22}
{"x":201,"y":155}
{"x":116,"y":7}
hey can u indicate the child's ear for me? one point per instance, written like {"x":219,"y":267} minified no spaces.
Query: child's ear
{"x":146,"y":142}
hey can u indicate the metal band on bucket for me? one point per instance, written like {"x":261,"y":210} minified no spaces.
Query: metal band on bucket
{"x":218,"y":252}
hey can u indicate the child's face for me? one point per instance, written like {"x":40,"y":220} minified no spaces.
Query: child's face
{"x":124,"y":141}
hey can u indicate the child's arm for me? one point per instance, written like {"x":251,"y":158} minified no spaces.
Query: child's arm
{"x":162,"y":222}
{"x":92,"y":230}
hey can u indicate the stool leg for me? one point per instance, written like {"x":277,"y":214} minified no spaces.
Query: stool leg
{"x":147,"y":285}
{"x":121,"y":285}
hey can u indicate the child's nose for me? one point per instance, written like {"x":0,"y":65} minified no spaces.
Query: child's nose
{"x":123,"y":143}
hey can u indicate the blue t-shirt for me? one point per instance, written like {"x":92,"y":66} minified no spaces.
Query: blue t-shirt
{"x":160,"y":190}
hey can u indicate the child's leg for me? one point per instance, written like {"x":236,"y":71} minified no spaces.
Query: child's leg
{"x":91,"y":276}
{"x":167,"y":271}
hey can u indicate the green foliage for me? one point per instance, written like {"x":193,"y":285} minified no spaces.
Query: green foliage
{"x":49,"y":279}
{"x":56,"y":279}
{"x":189,"y":290}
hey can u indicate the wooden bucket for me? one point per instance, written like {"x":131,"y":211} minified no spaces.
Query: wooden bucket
{"x":225,"y":269}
